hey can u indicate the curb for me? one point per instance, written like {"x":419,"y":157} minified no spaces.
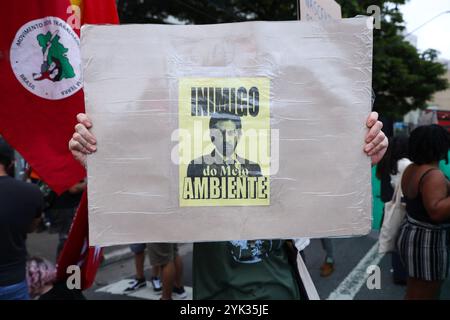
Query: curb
{"x":116,"y":256}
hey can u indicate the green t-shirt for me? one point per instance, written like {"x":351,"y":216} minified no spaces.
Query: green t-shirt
{"x":235,"y":270}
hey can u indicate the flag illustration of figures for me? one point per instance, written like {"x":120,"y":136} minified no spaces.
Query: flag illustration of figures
{"x":41,"y":93}
{"x":41,"y":84}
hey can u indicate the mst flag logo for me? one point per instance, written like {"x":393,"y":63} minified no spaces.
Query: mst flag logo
{"x":45,"y":58}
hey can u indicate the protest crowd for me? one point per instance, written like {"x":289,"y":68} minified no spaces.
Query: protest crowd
{"x":44,"y":181}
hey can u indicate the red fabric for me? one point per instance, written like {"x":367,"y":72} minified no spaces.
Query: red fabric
{"x":99,"y":12}
{"x":76,"y":250}
{"x":39,"y":129}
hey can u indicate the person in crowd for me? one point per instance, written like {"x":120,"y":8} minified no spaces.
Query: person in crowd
{"x":21,"y":209}
{"x":424,"y":238}
{"x":389,"y":171}
{"x":166,"y":262}
{"x":327,"y":267}
{"x":165,"y":257}
{"x":139,"y":281}
{"x":257,"y":269}
{"x":41,"y":274}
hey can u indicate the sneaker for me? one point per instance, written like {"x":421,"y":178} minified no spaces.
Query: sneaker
{"x":156,"y":284}
{"x":326,"y":269}
{"x":179,"y":293}
{"x":136,"y":284}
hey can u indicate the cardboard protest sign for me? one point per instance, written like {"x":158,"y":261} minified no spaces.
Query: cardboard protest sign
{"x":228,"y":132}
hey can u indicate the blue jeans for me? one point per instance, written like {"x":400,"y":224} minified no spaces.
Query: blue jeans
{"x":18,"y":291}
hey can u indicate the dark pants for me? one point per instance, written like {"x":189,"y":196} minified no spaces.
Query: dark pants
{"x":400,"y":274}
{"x":63,"y":222}
{"x":18,"y":291}
{"x":327,"y":246}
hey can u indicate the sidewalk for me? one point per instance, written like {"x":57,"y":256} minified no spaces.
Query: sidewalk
{"x":44,"y":245}
{"x":118,"y":265}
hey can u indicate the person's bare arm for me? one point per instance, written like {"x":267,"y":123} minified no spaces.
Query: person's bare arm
{"x":435,"y":196}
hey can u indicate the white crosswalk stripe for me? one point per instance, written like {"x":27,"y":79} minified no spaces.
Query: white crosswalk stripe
{"x":118,"y":288}
{"x":351,"y":285}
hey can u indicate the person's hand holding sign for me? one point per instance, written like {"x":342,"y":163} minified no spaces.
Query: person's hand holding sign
{"x":84,"y":143}
{"x":376,"y":141}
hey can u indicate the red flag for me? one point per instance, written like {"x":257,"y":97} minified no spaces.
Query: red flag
{"x":76,"y":250}
{"x":40,"y":77}
{"x":40,"y":95}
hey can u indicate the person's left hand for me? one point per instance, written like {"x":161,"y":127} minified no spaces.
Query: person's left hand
{"x":376,"y":141}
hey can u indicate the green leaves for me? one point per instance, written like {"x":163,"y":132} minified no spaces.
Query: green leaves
{"x":403,"y":79}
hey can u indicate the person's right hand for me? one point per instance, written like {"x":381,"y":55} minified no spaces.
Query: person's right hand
{"x":82,"y":142}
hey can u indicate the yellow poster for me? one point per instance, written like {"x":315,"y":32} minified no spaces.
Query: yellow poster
{"x":224,"y":141}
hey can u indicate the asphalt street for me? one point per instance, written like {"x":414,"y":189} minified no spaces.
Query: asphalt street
{"x":349,"y":280}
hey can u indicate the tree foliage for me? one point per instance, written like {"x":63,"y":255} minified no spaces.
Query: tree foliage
{"x":403,"y":78}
